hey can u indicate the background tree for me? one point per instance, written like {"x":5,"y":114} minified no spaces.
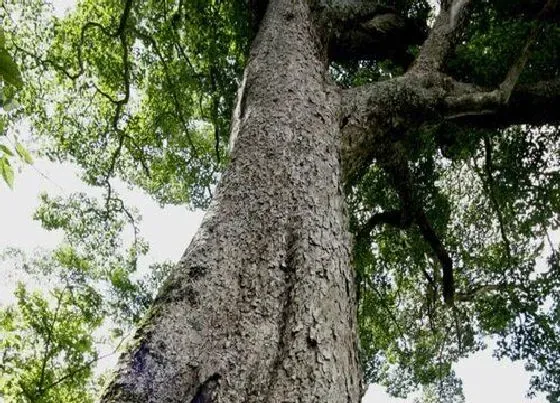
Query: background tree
{"x":80,"y":302}
{"x":449,"y":165}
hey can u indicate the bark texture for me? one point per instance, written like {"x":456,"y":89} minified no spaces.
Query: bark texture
{"x":261,"y":308}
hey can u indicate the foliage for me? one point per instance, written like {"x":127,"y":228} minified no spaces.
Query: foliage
{"x":51,"y":337}
{"x":46,"y":344}
{"x":492,"y":197}
{"x":134,"y":96}
{"x":492,"y":41}
{"x":143,"y":91}
{"x":10,"y":81}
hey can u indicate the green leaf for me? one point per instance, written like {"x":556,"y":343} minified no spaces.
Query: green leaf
{"x":7,"y":172}
{"x":24,"y":154}
{"x":9,"y":70}
{"x":6,"y":150}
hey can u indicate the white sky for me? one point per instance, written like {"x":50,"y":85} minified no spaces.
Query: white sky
{"x":169,"y":230}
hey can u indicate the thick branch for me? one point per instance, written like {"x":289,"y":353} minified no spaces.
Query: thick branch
{"x":442,"y":38}
{"x":373,"y":114}
{"x":397,"y":166}
{"x":435,"y":243}
{"x":533,"y":104}
{"x":394,"y":161}
{"x":395,"y":218}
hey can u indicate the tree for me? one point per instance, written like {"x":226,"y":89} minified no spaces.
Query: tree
{"x":79,"y":302}
{"x":342,"y":126}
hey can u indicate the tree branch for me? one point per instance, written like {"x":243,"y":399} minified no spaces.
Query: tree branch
{"x":374,"y":113}
{"x":394,"y":161}
{"x":442,"y":38}
{"x":533,"y":104}
{"x":435,"y":243}
{"x":400,"y":172}
{"x":395,"y":218}
{"x":473,"y":102}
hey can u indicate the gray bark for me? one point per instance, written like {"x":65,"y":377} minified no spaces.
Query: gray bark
{"x":261,"y":308}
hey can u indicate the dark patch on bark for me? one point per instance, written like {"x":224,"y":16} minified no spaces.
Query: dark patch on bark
{"x":285,"y":334}
{"x":311,"y":341}
{"x":161,"y":346}
{"x":205,"y":392}
{"x":243,"y":103}
{"x":192,"y":296}
{"x":196,"y":272}
{"x":139,"y":359}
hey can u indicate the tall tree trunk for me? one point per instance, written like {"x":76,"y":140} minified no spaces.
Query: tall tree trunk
{"x":261,"y":308}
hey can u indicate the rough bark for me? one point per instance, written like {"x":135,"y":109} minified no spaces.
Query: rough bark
{"x":261,"y":308}
{"x":442,"y":38}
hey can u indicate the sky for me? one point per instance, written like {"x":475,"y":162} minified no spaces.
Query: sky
{"x":169,"y":230}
